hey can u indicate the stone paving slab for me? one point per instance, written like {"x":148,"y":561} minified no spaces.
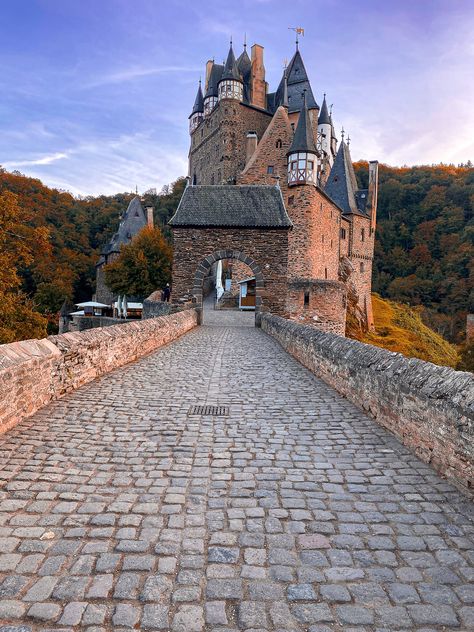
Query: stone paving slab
{"x":119,"y":511}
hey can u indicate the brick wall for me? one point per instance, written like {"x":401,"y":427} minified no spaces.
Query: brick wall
{"x":428,"y":407}
{"x":326,"y":303}
{"x":268,"y":248}
{"x":35,"y":372}
{"x":314,"y":239}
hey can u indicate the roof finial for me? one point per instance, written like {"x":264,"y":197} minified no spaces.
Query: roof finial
{"x":136,"y":189}
{"x":245,"y":41}
{"x":342,"y":133}
{"x":299,"y":31}
{"x":231,"y":41}
{"x":330,"y":109}
{"x":348,"y":140}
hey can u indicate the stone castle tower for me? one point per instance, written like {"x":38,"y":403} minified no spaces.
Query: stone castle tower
{"x":243,"y":135}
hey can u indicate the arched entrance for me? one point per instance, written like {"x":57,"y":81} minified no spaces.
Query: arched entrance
{"x":203,"y":271}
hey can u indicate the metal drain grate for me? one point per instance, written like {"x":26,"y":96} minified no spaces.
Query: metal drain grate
{"x":215,"y":411}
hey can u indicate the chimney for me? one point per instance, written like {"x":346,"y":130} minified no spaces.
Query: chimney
{"x":373,"y":193}
{"x":258,"y":83}
{"x":251,"y":146}
{"x":209,"y":65}
{"x":149,"y":216}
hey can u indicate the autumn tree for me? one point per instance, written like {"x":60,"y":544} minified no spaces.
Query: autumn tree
{"x":19,"y":244}
{"x":143,"y":266}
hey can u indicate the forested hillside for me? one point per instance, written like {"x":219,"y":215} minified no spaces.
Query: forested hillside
{"x":424,"y":253}
{"x":424,"y":245}
{"x":73,"y":231}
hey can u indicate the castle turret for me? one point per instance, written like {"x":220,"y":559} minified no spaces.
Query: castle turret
{"x":231,"y":85}
{"x":325,"y":132}
{"x":210,"y":98}
{"x":197,"y":114}
{"x":303,"y":153}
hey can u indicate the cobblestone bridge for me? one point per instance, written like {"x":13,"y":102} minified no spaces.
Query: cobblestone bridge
{"x":295,"y":512}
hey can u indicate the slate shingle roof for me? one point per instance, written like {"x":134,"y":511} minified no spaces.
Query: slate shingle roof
{"x":341,"y":186}
{"x":303,"y":140}
{"x":198,"y":102}
{"x":249,"y":206}
{"x":214,"y":78}
{"x":133,"y":220}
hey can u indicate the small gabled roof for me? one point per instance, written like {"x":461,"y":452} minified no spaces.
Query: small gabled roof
{"x":324,"y":118}
{"x":303,"y":140}
{"x":214,"y":78}
{"x":231,"y":70}
{"x":198,"y":102}
{"x":341,"y":186}
{"x":298,"y":82}
{"x":228,"y":205}
{"x":244,"y":65}
{"x":133,"y":220}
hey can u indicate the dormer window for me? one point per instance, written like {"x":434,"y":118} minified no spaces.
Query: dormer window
{"x":302,"y":168}
{"x":230,"y":89}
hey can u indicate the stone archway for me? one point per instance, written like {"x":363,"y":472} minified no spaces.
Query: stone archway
{"x":205,"y":266}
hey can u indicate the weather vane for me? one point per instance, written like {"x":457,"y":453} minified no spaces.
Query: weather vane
{"x":299,"y":31}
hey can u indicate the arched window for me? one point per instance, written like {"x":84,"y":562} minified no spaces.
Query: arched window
{"x":361,"y":266}
{"x":278,"y":144}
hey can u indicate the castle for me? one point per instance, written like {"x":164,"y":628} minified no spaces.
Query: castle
{"x":270,"y":186}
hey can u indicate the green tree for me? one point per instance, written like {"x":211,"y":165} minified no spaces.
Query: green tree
{"x":143,"y":266}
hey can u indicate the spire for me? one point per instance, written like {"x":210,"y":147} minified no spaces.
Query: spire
{"x":324,"y":114}
{"x":298,"y":81}
{"x":230,"y":68}
{"x":199,"y":101}
{"x":284,"y":98}
{"x":303,"y":139}
{"x":341,"y":185}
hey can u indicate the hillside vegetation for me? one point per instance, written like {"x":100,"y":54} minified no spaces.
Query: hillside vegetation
{"x":424,"y":249}
{"x":400,"y":328}
{"x":73,"y":231}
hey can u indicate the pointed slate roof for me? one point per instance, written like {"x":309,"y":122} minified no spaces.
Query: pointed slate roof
{"x":298,"y":81}
{"x":303,"y":140}
{"x":244,"y":206}
{"x":214,"y":78}
{"x":133,"y":220}
{"x":198,"y":102}
{"x":324,"y":118}
{"x":341,"y":186}
{"x":231,"y":70}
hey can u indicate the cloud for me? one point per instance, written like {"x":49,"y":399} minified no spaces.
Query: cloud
{"x":130,"y":74}
{"x":45,"y":160}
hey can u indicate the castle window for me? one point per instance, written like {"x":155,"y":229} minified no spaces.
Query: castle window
{"x":194,"y":179}
{"x":291,"y":200}
{"x":293,"y":126}
{"x":362,"y":234}
{"x":278,"y":144}
{"x":194,"y":122}
{"x":306,"y":298}
{"x":343,"y":233}
{"x":331,"y":243}
{"x":301,"y":168}
{"x":325,"y":273}
{"x":230,"y":89}
{"x":270,"y":169}
{"x":361,"y":266}
{"x":322,"y":239}
{"x":212,"y":179}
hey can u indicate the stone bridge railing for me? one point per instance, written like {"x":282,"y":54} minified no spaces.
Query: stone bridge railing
{"x":35,"y":372}
{"x":429,"y":408}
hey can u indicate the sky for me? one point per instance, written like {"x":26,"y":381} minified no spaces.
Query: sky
{"x":95,"y":94}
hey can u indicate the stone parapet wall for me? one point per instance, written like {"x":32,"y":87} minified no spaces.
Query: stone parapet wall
{"x":35,"y":372}
{"x":429,"y":408}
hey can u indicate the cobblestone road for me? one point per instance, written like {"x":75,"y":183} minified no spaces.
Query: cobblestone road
{"x":119,"y":510}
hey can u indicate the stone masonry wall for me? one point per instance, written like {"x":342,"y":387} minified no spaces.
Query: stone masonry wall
{"x":326,"y":306}
{"x":428,"y":407}
{"x":267,"y":248}
{"x":35,"y":372}
{"x":218,"y":145}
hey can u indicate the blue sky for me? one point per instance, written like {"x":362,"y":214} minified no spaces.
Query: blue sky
{"x":95,"y":94}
